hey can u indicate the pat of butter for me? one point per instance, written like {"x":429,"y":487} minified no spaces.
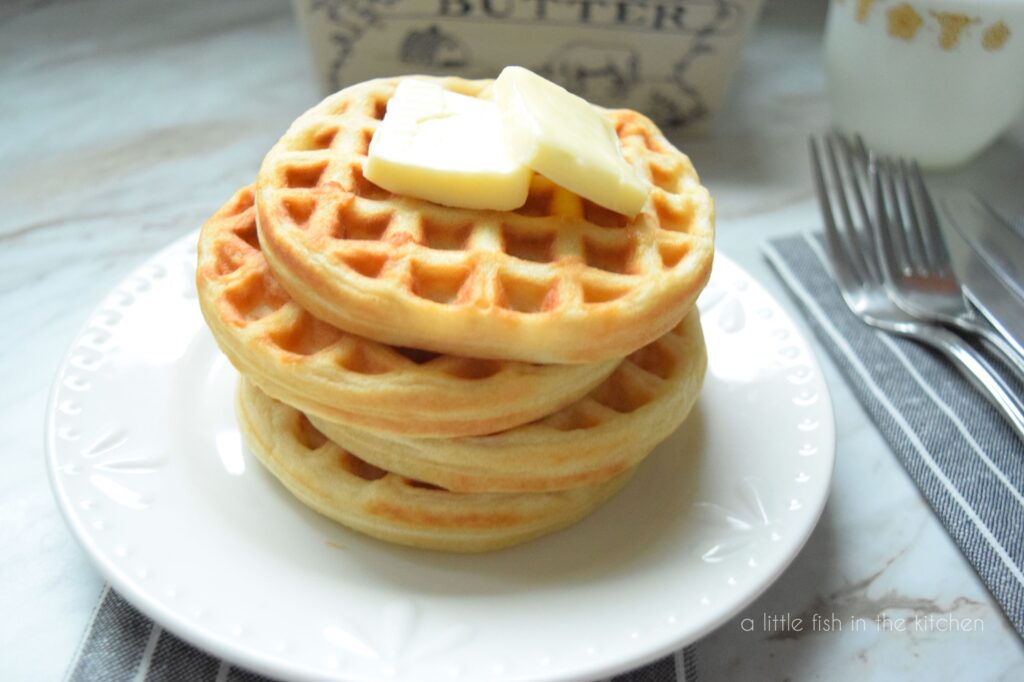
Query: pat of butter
{"x":566,"y":138}
{"x":447,"y":148}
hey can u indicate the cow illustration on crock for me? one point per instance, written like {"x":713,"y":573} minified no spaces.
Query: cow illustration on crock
{"x":433,"y":47}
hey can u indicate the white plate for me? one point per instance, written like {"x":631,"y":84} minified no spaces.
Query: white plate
{"x":149,"y":471}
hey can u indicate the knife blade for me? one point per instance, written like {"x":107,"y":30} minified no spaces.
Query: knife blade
{"x":989,"y":235}
{"x":992,"y":293}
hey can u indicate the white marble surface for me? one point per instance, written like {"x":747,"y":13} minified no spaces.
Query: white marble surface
{"x":125,"y":125}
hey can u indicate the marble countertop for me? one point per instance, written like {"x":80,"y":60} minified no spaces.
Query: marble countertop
{"x":125,"y":125}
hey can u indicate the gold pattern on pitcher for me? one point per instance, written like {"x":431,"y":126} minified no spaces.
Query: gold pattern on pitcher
{"x":904,"y":22}
{"x":995,"y":36}
{"x":864,"y":9}
{"x":951,"y":25}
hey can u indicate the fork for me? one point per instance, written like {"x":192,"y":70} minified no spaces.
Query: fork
{"x":920,"y":274}
{"x":853,"y":254}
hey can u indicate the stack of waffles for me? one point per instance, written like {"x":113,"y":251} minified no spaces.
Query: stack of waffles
{"x":447,"y":378}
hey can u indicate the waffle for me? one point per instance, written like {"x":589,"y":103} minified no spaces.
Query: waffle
{"x":384,"y":505}
{"x":560,"y":280}
{"x":348,"y":379}
{"x":609,"y":431}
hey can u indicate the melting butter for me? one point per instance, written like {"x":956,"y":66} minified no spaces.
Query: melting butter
{"x":447,"y":148}
{"x":566,"y":139}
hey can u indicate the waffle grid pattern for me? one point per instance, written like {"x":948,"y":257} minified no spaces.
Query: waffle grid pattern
{"x":343,"y":377}
{"x":557,"y":266}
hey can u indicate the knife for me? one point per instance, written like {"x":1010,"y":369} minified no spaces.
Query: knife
{"x":989,"y":235}
{"x":983,"y":248}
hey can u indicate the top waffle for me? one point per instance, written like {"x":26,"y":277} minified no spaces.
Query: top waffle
{"x":348,"y":379}
{"x":560,"y":280}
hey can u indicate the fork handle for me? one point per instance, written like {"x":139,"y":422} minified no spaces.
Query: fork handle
{"x":979,"y":372}
{"x":996,"y":343}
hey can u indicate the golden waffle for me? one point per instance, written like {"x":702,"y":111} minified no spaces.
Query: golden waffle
{"x":345,"y":378}
{"x":560,"y":280}
{"x":611,"y":430}
{"x":365,"y":498}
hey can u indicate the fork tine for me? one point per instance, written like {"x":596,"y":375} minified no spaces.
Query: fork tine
{"x":844,"y":271}
{"x":854,"y":164}
{"x":831,"y":141}
{"x":855,"y":160}
{"x":848,"y":232}
{"x":939,"y":260}
{"x":886,"y":250}
{"x":894,"y":216}
{"x":864,"y":157}
{"x":862,"y":149}
{"x":911,"y":220}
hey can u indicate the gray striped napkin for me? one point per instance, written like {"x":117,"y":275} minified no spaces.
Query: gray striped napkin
{"x":965,"y":459}
{"x":122,"y":644}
